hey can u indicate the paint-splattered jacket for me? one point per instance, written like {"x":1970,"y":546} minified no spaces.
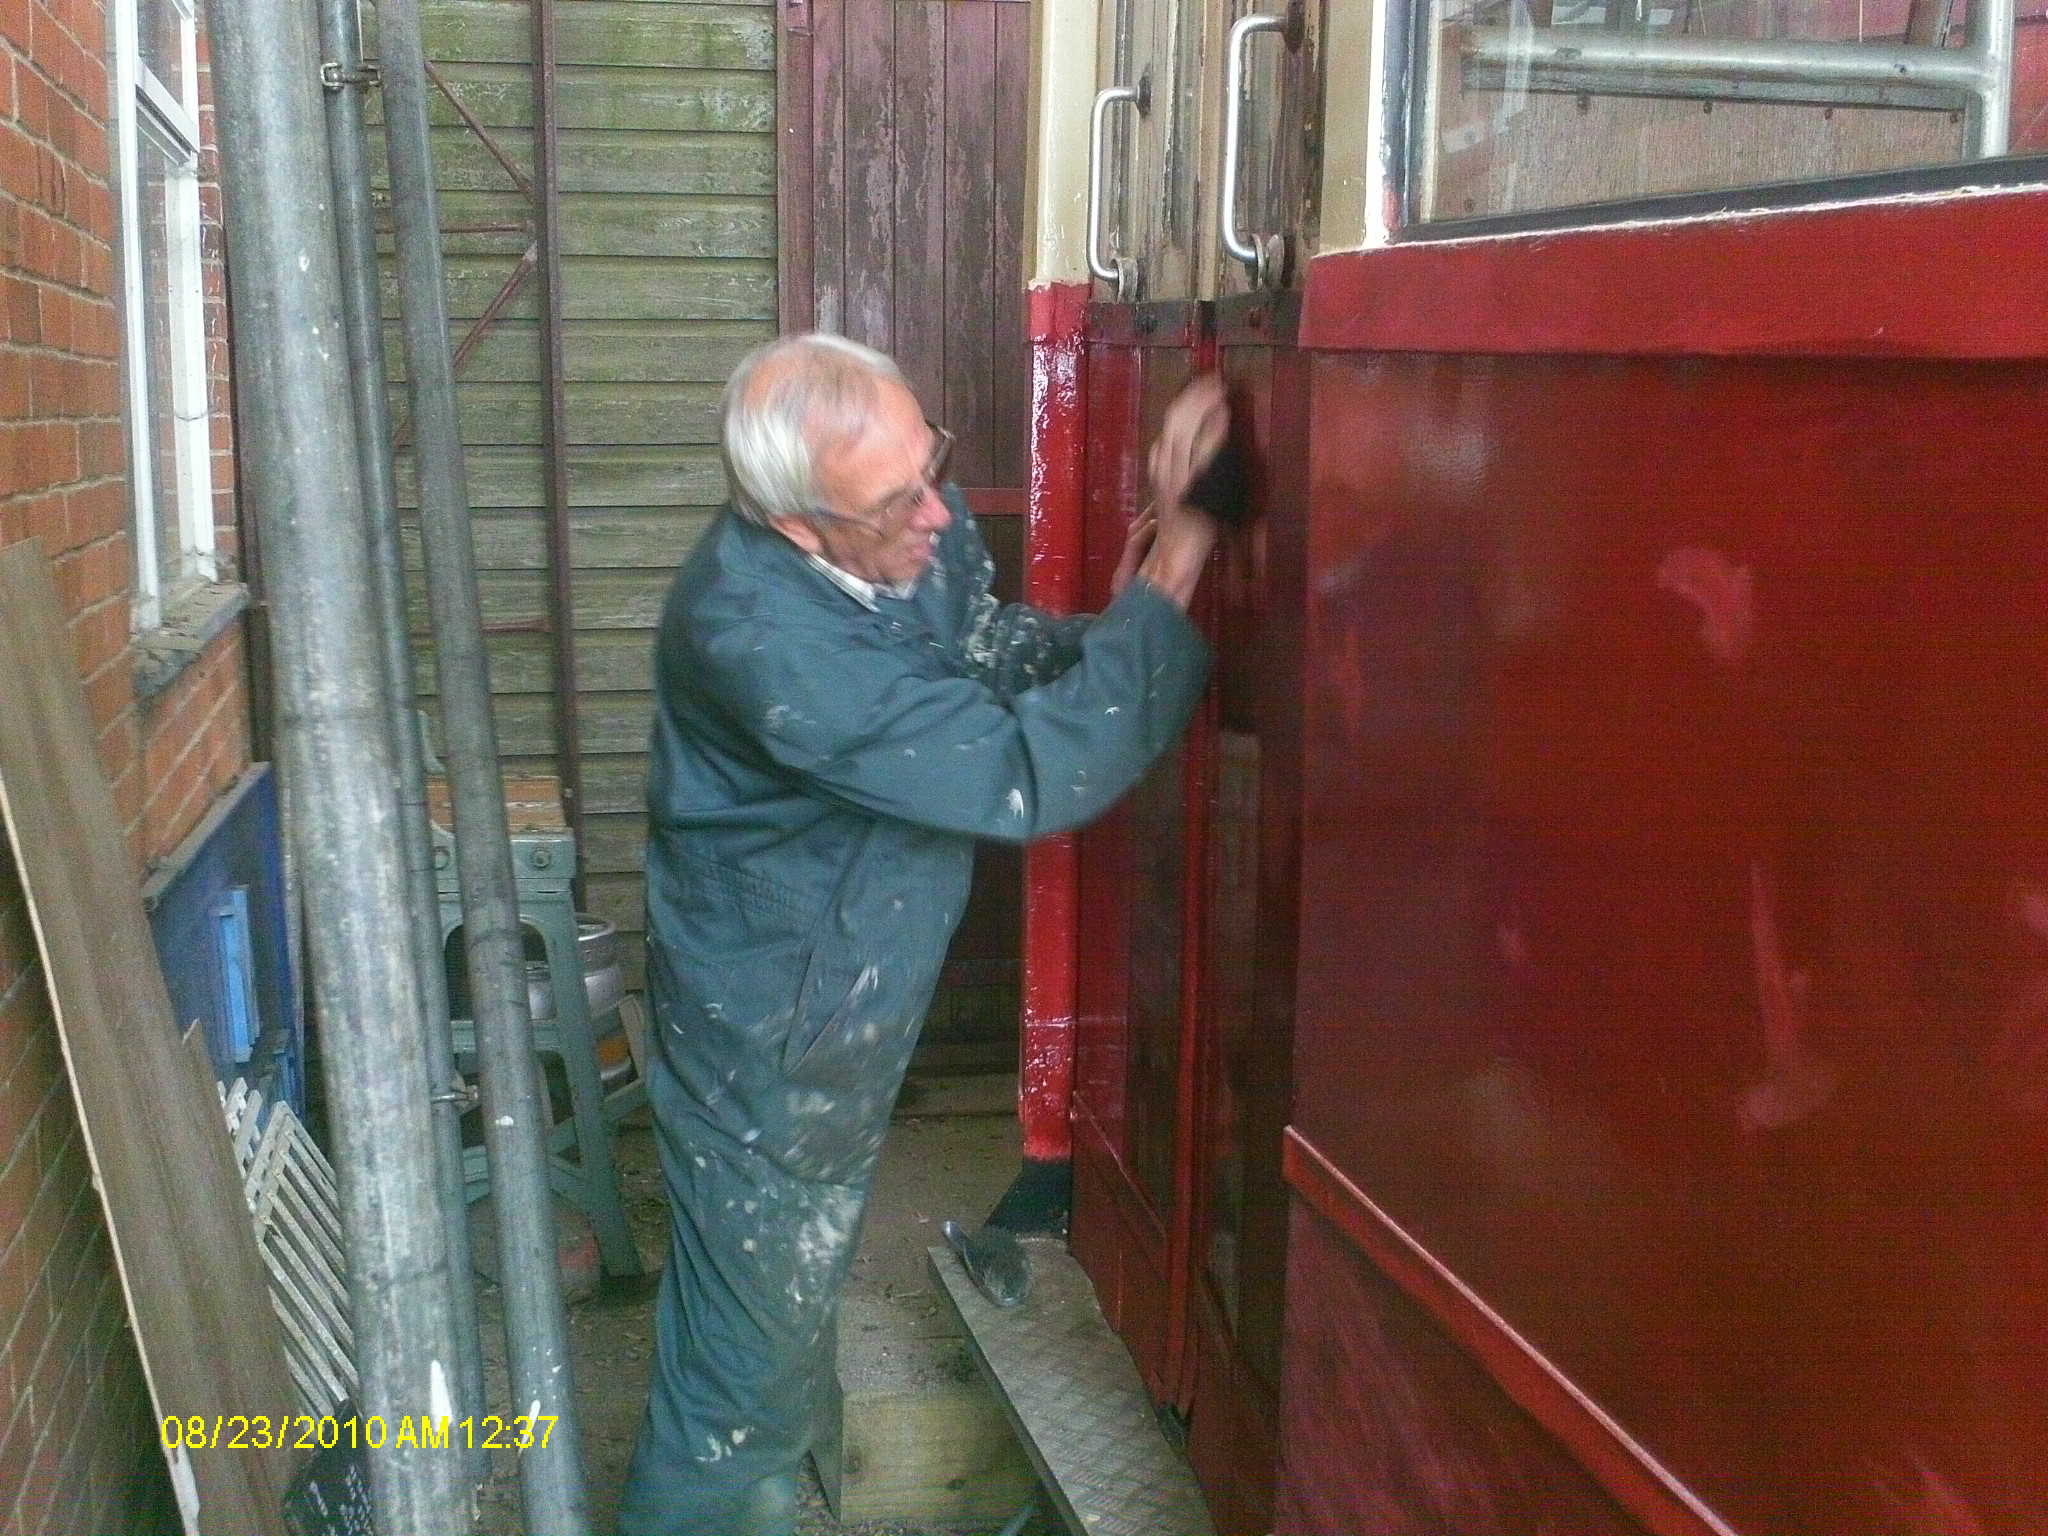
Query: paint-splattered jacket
{"x":821,"y":773}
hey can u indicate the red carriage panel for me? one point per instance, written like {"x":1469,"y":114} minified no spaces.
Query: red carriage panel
{"x":1675,"y":898}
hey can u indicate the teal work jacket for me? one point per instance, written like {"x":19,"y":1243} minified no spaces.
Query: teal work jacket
{"x":821,"y":773}
{"x":820,"y":776}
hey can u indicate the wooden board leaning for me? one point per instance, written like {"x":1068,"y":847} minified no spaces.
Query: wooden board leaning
{"x":190,"y":1271}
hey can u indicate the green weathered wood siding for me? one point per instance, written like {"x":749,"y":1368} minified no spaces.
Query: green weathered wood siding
{"x":667,"y":152}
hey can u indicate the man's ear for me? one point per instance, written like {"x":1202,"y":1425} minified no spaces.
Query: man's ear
{"x":801,"y":532}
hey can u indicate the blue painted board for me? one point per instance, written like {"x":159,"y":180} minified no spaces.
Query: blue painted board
{"x":217,"y":913}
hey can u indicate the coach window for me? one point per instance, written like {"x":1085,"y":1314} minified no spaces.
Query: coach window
{"x":1534,"y":105}
{"x":157,"y":105}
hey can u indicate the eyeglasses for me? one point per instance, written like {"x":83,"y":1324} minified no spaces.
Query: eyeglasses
{"x":883,"y":517}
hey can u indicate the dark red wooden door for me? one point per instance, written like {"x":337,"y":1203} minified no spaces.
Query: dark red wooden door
{"x":1237,"y":1254}
{"x":1139,"y":962}
{"x":902,"y":126}
{"x":1188,"y":902}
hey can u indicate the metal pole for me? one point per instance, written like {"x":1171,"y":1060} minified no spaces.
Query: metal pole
{"x":1904,"y":75}
{"x":550,"y":1469}
{"x":1990,"y":36}
{"x":555,"y":436}
{"x":298,"y":446}
{"x":349,"y":152}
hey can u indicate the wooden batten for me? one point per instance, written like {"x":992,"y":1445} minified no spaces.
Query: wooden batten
{"x":666,"y":153}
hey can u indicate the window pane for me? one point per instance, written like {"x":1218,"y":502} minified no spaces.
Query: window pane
{"x":159,"y":184}
{"x":160,"y":29}
{"x":1532,"y":104}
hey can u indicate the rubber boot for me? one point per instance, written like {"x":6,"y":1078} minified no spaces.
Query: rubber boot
{"x":769,"y":1508}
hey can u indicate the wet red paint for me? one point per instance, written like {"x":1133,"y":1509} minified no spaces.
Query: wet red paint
{"x":1193,"y":1155}
{"x":1129,"y":1078}
{"x":1647,"y":728}
{"x":1898,"y":279}
{"x":1502,"y":1375}
{"x":1192,"y":1158}
{"x":1671,"y":947}
{"x":1186,"y":918}
{"x":1052,"y":580}
{"x":1391,"y":1427}
{"x":1057,"y":317}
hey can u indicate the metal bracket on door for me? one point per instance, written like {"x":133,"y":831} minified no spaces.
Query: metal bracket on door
{"x":1125,"y":274}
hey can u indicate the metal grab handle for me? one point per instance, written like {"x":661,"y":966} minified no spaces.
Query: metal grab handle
{"x":1256,"y":256}
{"x":1120,"y":271}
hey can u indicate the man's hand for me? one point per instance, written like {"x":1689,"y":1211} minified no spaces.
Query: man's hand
{"x":1196,"y":425}
{"x":1137,"y":544}
{"x":1194,"y":428}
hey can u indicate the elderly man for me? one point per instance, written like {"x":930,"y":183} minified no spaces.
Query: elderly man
{"x":844,"y":709}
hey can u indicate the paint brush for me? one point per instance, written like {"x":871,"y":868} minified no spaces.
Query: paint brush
{"x":1223,"y":488}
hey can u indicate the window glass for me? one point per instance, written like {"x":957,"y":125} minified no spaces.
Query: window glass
{"x":159,"y":431}
{"x":161,"y":173}
{"x":1538,"y":104}
{"x":160,"y":38}
{"x":163,"y":302}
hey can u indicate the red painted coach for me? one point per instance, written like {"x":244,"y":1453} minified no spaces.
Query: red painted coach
{"x":1564,"y":1045}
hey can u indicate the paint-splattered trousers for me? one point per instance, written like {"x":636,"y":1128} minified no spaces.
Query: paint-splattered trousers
{"x":745,"y":1330}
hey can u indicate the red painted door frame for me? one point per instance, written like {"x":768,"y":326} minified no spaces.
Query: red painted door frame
{"x":1146,"y":1246}
{"x":1053,"y":550}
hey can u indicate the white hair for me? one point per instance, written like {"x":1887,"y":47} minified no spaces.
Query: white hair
{"x":824,"y":393}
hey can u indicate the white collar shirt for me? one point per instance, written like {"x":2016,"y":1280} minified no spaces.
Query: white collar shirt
{"x":860,"y":590}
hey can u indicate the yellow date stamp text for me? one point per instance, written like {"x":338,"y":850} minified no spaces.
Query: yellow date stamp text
{"x":325,"y":1431}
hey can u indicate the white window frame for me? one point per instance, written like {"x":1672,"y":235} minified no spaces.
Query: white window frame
{"x":153,"y":115}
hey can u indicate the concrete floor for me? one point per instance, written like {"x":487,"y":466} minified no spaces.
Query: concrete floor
{"x":952,"y":1151}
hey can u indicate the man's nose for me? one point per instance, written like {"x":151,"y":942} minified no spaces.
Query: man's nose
{"x":932,"y":512}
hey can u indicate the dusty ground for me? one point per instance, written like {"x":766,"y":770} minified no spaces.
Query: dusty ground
{"x":952,"y":1151}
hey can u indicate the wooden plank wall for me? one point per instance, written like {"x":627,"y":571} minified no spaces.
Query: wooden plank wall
{"x":918,"y":121}
{"x":902,"y":199}
{"x":667,"y":122}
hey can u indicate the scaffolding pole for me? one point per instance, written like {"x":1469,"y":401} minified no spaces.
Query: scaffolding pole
{"x":547,"y":207}
{"x":301,"y":467}
{"x":346,"y":81}
{"x":515,"y":1111}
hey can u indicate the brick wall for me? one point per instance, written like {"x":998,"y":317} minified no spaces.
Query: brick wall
{"x":77,"y":1446}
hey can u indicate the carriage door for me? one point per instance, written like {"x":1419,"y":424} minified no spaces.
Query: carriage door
{"x":1263,"y":149}
{"x":1186,"y":918}
{"x":1134,"y":1076}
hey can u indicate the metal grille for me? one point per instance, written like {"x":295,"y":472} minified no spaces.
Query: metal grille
{"x":293,"y":1201}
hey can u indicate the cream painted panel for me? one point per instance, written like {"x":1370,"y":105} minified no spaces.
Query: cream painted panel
{"x":1063,"y":67}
